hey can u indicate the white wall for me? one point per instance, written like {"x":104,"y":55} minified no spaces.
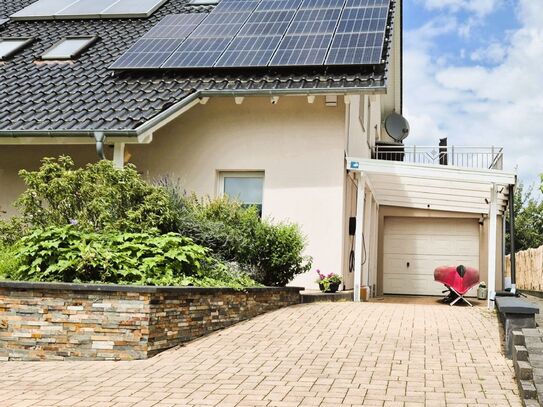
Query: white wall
{"x":299,"y":146}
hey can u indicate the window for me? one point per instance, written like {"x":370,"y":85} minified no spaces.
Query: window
{"x":247,"y":187}
{"x":69,"y":48}
{"x":9,"y":46}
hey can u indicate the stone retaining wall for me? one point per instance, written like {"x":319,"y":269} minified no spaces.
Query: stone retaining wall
{"x":42,"y":321}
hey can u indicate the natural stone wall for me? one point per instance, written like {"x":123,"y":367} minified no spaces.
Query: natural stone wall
{"x":42,"y":321}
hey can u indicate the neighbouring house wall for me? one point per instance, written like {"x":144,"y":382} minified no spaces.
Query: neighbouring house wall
{"x":299,"y":146}
{"x":389,"y":211}
{"x":42,"y":321}
{"x":528,"y":269}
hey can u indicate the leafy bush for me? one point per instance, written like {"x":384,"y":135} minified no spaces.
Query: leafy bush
{"x":69,"y":254}
{"x":272,"y":253}
{"x":278,"y":254}
{"x":9,"y":263}
{"x":97,"y":197}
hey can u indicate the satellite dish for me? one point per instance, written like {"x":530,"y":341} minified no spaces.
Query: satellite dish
{"x":397,"y":126}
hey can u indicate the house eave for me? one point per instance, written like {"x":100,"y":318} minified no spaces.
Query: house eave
{"x":143,"y":133}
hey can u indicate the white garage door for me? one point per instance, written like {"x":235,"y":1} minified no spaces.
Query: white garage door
{"x":414,"y":247}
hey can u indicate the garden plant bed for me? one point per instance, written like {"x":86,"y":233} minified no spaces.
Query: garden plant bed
{"x":57,"y":321}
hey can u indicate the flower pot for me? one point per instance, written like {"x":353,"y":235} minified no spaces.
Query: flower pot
{"x":332,"y":288}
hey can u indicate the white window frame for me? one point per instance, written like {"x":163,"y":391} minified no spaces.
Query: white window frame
{"x":76,"y":53}
{"x":240,"y":174}
{"x":23,"y":42}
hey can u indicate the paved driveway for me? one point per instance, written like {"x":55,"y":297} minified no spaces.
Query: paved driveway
{"x":376,"y":354}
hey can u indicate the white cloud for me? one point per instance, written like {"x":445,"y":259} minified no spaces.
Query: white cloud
{"x":497,"y":104}
{"x":494,"y":53}
{"x":479,"y":7}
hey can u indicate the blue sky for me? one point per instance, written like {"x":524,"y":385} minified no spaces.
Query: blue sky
{"x":473,"y":72}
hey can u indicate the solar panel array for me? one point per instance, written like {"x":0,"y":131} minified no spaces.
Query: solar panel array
{"x":266,"y":33}
{"x":75,"y":9}
{"x":158,"y":44}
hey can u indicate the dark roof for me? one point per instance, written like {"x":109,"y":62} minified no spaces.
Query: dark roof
{"x":85,"y":95}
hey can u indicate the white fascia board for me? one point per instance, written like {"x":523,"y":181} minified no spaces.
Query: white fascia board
{"x":436,"y":207}
{"x":65,"y":140}
{"x":445,"y":173}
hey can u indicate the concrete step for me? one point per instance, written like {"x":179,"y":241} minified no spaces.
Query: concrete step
{"x":523,"y":370}
{"x":520,"y":353}
{"x":518,"y":337}
{"x":530,"y":403}
{"x":317,"y":296}
{"x":527,"y":390}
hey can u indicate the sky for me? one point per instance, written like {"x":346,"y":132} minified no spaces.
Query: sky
{"x":473,"y":72}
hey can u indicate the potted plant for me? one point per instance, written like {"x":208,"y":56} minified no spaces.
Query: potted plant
{"x":328,"y":283}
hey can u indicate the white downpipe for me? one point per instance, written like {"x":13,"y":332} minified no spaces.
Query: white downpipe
{"x":118,"y":155}
{"x":492,"y":241}
{"x":360,"y":205}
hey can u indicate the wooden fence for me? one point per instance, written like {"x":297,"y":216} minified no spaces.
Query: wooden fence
{"x":529,"y":265}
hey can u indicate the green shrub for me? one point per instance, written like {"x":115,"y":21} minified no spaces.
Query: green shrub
{"x":97,"y":197}
{"x":69,"y":254}
{"x":11,"y":231}
{"x":278,"y":254}
{"x":271,"y":252}
{"x":9,"y":263}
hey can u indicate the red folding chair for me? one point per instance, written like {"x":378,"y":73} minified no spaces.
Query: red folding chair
{"x":458,"y":280}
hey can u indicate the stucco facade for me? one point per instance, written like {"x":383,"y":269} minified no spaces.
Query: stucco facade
{"x":299,"y":146}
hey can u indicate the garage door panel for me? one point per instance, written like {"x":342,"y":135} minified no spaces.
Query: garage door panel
{"x":426,"y":265}
{"x":425,"y":244}
{"x":430,"y":245}
{"x":433,"y":226}
{"x":418,"y":285}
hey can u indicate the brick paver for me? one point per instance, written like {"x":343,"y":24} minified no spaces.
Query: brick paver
{"x":321,"y":354}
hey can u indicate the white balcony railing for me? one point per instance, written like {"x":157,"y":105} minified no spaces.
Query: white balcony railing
{"x":460,"y":156}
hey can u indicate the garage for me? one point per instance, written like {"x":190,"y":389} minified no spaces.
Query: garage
{"x":414,"y":247}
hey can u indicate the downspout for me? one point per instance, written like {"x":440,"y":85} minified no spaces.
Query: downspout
{"x":512,"y":236}
{"x":100,"y":139}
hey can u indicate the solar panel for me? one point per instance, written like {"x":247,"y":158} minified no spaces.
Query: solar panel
{"x":197,"y":53}
{"x":256,"y":42}
{"x":366,"y":3}
{"x":270,"y":5}
{"x":262,"y":33}
{"x":156,"y":46}
{"x":308,"y":37}
{"x":131,"y":8}
{"x":360,"y":35}
{"x":209,"y":41}
{"x":74,"y":9}
{"x":329,"y":4}
{"x":235,"y":6}
{"x":88,"y":9}
{"x":302,"y":50}
{"x":42,"y":9}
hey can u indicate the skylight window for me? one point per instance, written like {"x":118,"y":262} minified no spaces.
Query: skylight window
{"x":68,"y":48}
{"x":203,"y":2}
{"x":10,"y":46}
{"x":76,"y":9}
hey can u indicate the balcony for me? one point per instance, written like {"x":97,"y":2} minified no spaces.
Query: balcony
{"x":458,"y":156}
